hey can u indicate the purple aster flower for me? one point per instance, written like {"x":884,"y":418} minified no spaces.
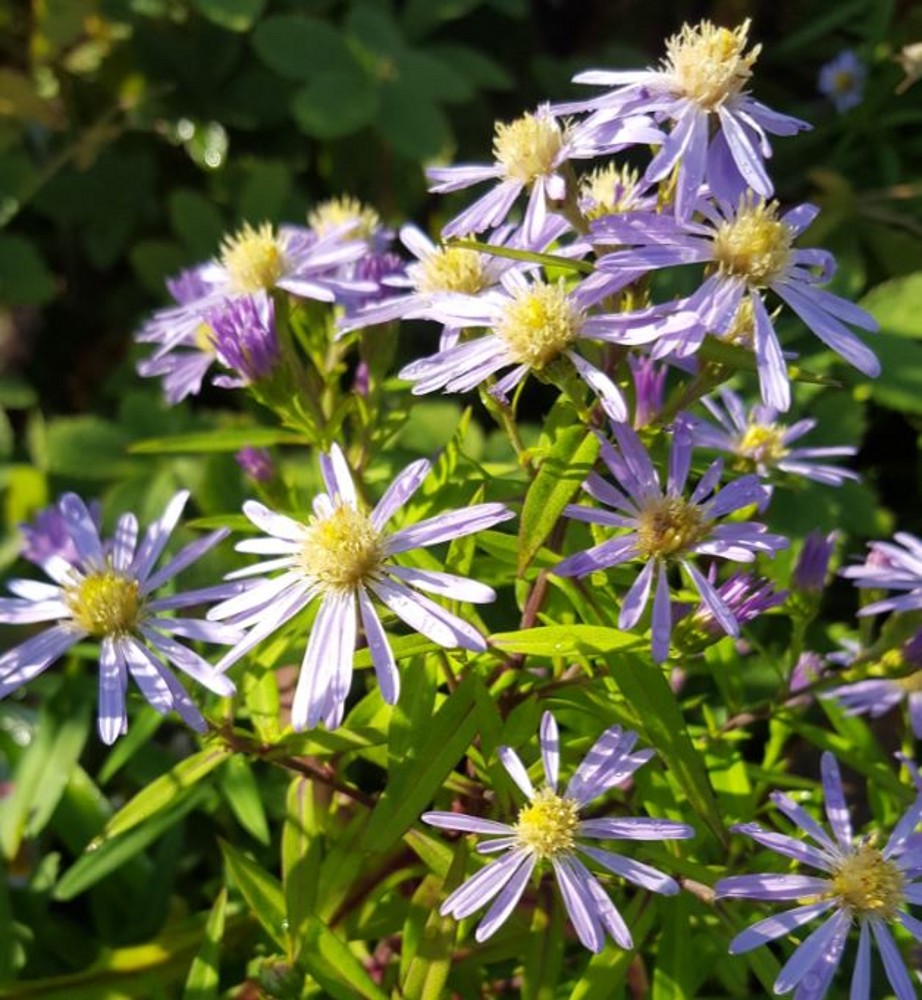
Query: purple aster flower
{"x":649,"y":388}
{"x":48,"y":535}
{"x":813,"y":562}
{"x":665,"y":528}
{"x":529,"y":155}
{"x":893,"y":565}
{"x":842,"y":80}
{"x":718,"y":133}
{"x":760,"y":443}
{"x":256,"y":463}
{"x":244,"y":338}
{"x":106,"y":593}
{"x":531,"y":326}
{"x":859,"y":882}
{"x":548,"y":828}
{"x":748,"y":250}
{"x":614,"y":188}
{"x":809,"y":668}
{"x":344,"y":555}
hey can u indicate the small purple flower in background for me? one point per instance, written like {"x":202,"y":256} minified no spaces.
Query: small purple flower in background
{"x":256,"y":463}
{"x":48,"y":534}
{"x":244,"y":338}
{"x":842,"y":80}
{"x":649,"y":388}
{"x":548,"y":828}
{"x":859,"y":883}
{"x":665,"y":528}
{"x":105,"y":593}
{"x":749,"y":250}
{"x":761,"y":444}
{"x":895,"y":565}
{"x":812,"y":565}
{"x":809,"y":668}
{"x":342,"y":556}
{"x":718,"y":133}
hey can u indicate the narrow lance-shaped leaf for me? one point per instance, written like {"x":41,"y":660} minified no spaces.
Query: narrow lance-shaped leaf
{"x":204,"y":976}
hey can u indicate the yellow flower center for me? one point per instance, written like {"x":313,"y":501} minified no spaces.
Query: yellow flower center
{"x":609,"y":190}
{"x":451,"y":269}
{"x":756,"y":245}
{"x":763,"y":443}
{"x":843,"y":81}
{"x":912,"y":683}
{"x":710,"y":64}
{"x":254,"y":258}
{"x":342,"y":549}
{"x":104,"y":604}
{"x":669,"y":525}
{"x":527,"y":148}
{"x":868,"y":884}
{"x":539,"y":323}
{"x":547,"y":825}
{"x":742,"y":329}
{"x":204,"y":338}
{"x":328,"y":215}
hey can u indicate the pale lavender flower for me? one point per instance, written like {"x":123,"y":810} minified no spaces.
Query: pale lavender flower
{"x":812,"y":565}
{"x":749,"y":251}
{"x":48,"y":534}
{"x":244,"y":338}
{"x":761,"y":444}
{"x":529,"y":155}
{"x":342,"y":556}
{"x":718,"y":133}
{"x":895,"y":565}
{"x":531,"y":325}
{"x":859,"y":883}
{"x":549,"y":828}
{"x":256,"y":463}
{"x":842,"y":80}
{"x":665,"y":528}
{"x":106,"y":593}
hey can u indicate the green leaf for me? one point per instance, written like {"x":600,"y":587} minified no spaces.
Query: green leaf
{"x":530,"y":256}
{"x":675,"y":954}
{"x":70,"y":439}
{"x":321,"y":743}
{"x":163,"y":792}
{"x":300,"y":47}
{"x":662,"y":724}
{"x":235,"y":15}
{"x":262,"y":892}
{"x":328,"y":959}
{"x":426,"y":766}
{"x":196,"y":221}
{"x":336,"y":103}
{"x":402,"y":647}
{"x":16,"y":393}
{"x":242,"y":794}
{"x":564,"y":468}
{"x":476,"y":66}
{"x":415,"y":126}
{"x":895,"y":305}
{"x":899,"y":384}
{"x":302,"y":850}
{"x":204,"y":976}
{"x":24,"y":276}
{"x":565,"y":640}
{"x":427,"y":75}
{"x":219,"y":439}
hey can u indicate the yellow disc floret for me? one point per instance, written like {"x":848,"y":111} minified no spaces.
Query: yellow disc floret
{"x":710,"y":65}
{"x":105,"y":604}
{"x":450,"y":269}
{"x":547,"y":825}
{"x":336,"y":212}
{"x":669,"y":525}
{"x":254,"y":259}
{"x":608,"y":190}
{"x":539,"y":323}
{"x":756,"y":245}
{"x":868,"y":884}
{"x":762,"y":443}
{"x":528,"y":147}
{"x":342,"y":549}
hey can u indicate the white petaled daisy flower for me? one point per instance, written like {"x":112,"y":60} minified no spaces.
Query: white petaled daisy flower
{"x":105,"y":592}
{"x":549,"y":829}
{"x":859,"y":883}
{"x":342,"y":556}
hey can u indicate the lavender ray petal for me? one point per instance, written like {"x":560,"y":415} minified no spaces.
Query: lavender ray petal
{"x":447,"y":526}
{"x":516,"y":770}
{"x":191,"y":663}
{"x":157,"y":535}
{"x":82,"y":529}
{"x":610,"y":553}
{"x":478,"y":890}
{"x":804,"y":820}
{"x":893,"y":962}
{"x":113,"y":682}
{"x":124,"y":541}
{"x":274,"y":524}
{"x":662,"y":618}
{"x":399,"y":492}
{"x":776,"y":925}
{"x":816,"y":949}
{"x":466,"y":824}
{"x":427,"y":617}
{"x":788,"y":846}
{"x":580,"y":905}
{"x":506,"y":901}
{"x":637,"y":872}
{"x":550,"y":750}
{"x":836,"y":809}
{"x":635,"y":601}
{"x":25,"y":661}
{"x":635,"y":828}
{"x":185,"y":557}
{"x":771,"y":886}
{"x":382,"y":655}
{"x":456,"y":588}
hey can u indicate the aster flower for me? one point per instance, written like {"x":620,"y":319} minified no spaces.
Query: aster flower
{"x":613,"y":188}
{"x":47,"y":534}
{"x":256,"y":463}
{"x":812,"y":564}
{"x":342,"y":556}
{"x":749,"y":251}
{"x":244,"y":337}
{"x":895,"y":565}
{"x":665,"y":528}
{"x":106,"y":592}
{"x":649,"y":388}
{"x":529,"y":155}
{"x":859,"y":883}
{"x":549,"y":828}
{"x":531,"y":326}
{"x":718,"y":133}
{"x":759,"y":443}
{"x":842,"y":80}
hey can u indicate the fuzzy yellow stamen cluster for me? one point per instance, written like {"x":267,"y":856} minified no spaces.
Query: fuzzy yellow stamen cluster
{"x":868,"y":884}
{"x":756,"y":245}
{"x":608,"y":190}
{"x":336,"y":212}
{"x":254,"y":258}
{"x":528,"y":147}
{"x":342,"y":549}
{"x":547,"y":825}
{"x":539,"y":324}
{"x":104,"y":604}
{"x":742,"y":329}
{"x":669,"y":525}
{"x":710,"y":64}
{"x":451,"y":269}
{"x":762,"y":443}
